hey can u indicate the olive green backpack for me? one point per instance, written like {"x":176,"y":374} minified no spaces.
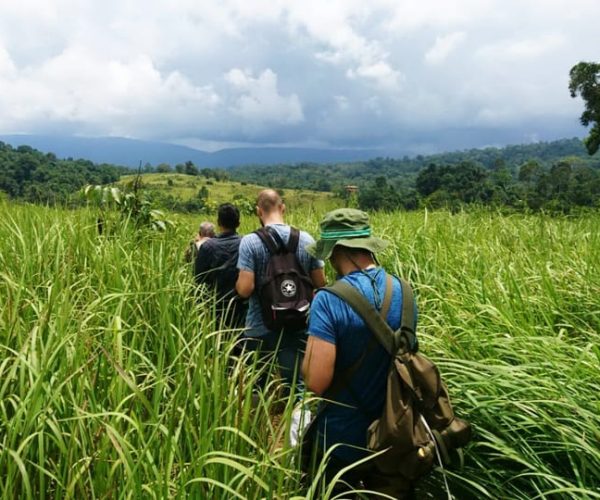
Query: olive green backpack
{"x":417,"y":424}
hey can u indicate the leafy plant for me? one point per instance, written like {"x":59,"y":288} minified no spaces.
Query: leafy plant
{"x":131,"y":206}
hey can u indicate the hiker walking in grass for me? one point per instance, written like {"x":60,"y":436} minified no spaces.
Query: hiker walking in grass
{"x":205,"y":232}
{"x":343,"y":362}
{"x":277,"y":325}
{"x":216,"y":265}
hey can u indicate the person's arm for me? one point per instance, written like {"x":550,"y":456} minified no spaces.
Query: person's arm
{"x":319,"y":359}
{"x":318,"y":364}
{"x":246,"y":279}
{"x":316,"y":268}
{"x":245,"y":283}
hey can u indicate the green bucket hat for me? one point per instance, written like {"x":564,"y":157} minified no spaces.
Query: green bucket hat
{"x":346,"y":227}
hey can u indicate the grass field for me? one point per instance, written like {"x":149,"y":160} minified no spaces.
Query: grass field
{"x":186,"y":186}
{"x":115,"y":382}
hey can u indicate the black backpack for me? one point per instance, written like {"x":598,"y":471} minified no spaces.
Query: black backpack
{"x":287,"y":290}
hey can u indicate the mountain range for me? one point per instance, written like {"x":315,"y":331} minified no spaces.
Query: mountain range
{"x":130,"y":152}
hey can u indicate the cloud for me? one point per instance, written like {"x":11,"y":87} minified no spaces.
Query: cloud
{"x":381,"y":73}
{"x":332,"y":25}
{"x":258,"y":100}
{"x":100,"y":95}
{"x":341,"y":102}
{"x":341,"y":72}
{"x":7,"y":67}
{"x":443,"y":46}
{"x":527,"y":48}
{"x":406,"y":16}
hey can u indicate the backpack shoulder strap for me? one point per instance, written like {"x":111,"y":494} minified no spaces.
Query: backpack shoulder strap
{"x":387,"y":298}
{"x":407,"y":324}
{"x":390,"y":340}
{"x":281,"y":246}
{"x":265,"y":236}
{"x":292,"y":245}
{"x":342,"y":381}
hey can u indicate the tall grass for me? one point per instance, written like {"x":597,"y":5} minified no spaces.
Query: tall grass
{"x":117,"y":382}
{"x":510,"y":310}
{"x":114,"y":380}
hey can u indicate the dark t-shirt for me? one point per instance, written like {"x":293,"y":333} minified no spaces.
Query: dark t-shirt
{"x":215,"y":265}
{"x":333,"y":320}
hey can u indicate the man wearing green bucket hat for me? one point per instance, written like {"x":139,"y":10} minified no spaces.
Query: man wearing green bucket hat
{"x":343,"y":363}
{"x":348,"y":228}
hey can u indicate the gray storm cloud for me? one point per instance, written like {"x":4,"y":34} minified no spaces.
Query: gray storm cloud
{"x":339,"y":73}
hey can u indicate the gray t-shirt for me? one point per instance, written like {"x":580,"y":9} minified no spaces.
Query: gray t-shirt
{"x":254,"y":256}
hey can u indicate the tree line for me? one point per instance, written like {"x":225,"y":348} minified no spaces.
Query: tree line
{"x":402,"y":172}
{"x":553,"y":176}
{"x":188,"y":168}
{"x":30,"y":175}
{"x":532,"y":186}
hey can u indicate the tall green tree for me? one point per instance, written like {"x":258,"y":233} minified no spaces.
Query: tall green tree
{"x":585,"y":81}
{"x":190,"y":168}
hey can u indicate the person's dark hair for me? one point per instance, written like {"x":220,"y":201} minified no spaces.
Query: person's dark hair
{"x":228,"y":216}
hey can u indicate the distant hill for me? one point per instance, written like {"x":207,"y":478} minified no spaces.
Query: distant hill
{"x":130,"y":152}
{"x":558,"y":176}
{"x":404,"y":170}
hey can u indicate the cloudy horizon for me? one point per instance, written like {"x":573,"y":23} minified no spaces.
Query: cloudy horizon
{"x":397,"y":75}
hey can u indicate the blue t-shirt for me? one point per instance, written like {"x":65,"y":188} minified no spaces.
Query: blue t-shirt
{"x":254,"y":256}
{"x":331,"y":319}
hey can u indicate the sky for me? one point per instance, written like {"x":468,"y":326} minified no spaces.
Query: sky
{"x":412,"y":76}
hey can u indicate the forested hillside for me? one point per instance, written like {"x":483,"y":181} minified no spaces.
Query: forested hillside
{"x":556,"y":175}
{"x":31,"y":175}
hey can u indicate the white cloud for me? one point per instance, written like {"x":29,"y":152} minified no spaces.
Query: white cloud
{"x":527,"y":48}
{"x":406,"y":16}
{"x":444,"y":45}
{"x":258,"y":99}
{"x":7,"y":67}
{"x":381,"y":73}
{"x":288,"y":71}
{"x":332,"y":24}
{"x":101,"y":95}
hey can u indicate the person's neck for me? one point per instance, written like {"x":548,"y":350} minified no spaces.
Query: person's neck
{"x":272,"y":219}
{"x":347,"y":266}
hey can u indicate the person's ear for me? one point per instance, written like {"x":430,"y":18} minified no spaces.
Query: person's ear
{"x":283,"y":208}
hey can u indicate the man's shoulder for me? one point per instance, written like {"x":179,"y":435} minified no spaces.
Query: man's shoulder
{"x":250,"y":239}
{"x":207,"y":247}
{"x":208,"y":244}
{"x":250,"y":247}
{"x":324,"y":298}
